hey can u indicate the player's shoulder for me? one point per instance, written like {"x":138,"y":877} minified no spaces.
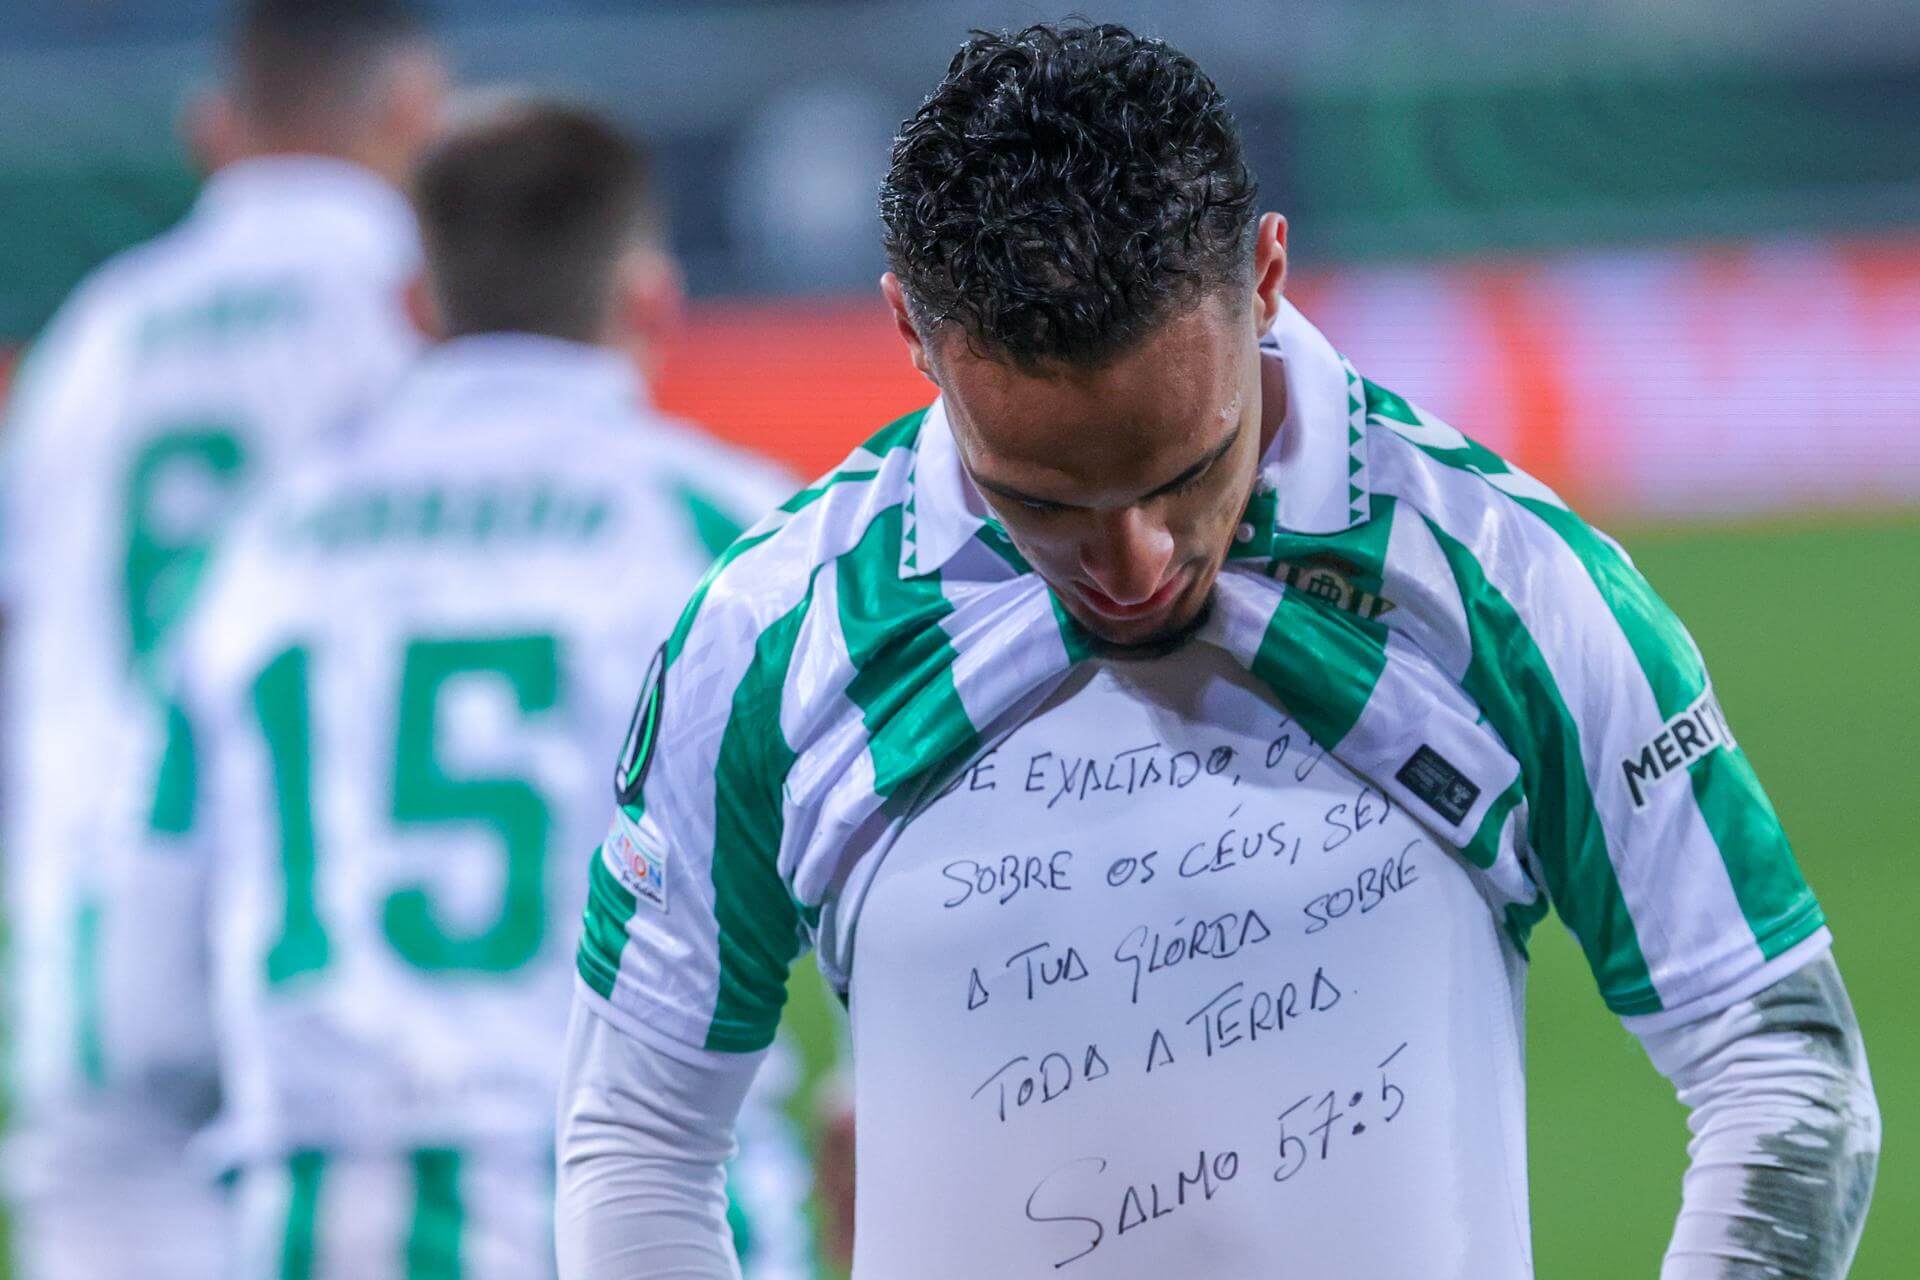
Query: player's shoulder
{"x":738,"y":477}
{"x":105,"y":307}
{"x":707,"y":491}
{"x":852,"y":510}
{"x":1463,"y":490}
{"x":73,"y":368}
{"x":136,"y":273}
{"x":1482,"y":552}
{"x":197,"y":286}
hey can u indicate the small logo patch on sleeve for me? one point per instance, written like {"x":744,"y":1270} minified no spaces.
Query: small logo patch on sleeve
{"x":1447,"y":791}
{"x":644,"y":874}
{"x":630,"y":775}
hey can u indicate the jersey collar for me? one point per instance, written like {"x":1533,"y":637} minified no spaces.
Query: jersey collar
{"x":327,"y":201}
{"x":943,"y":509}
{"x":488,"y":370}
{"x":1316,"y":467}
{"x":1313,"y":477}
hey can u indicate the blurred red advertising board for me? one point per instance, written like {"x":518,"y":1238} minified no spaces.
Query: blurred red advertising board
{"x":1674,"y":381}
{"x":803,"y":381}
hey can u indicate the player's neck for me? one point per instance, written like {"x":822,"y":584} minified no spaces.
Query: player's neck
{"x":386,"y":163}
{"x":1273,"y":399}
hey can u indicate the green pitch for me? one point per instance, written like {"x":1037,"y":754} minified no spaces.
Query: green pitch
{"x":1810,"y":627}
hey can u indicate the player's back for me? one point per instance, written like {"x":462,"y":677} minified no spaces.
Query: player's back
{"x":179,"y":374}
{"x":410,"y":668}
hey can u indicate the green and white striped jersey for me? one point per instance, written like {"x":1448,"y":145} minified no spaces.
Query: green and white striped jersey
{"x":1438,"y":621}
{"x":408,"y":667}
{"x":177,"y":379}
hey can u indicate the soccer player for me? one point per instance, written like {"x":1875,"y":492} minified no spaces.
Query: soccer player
{"x":1168,"y":740}
{"x":409,"y":668}
{"x":176,"y":377}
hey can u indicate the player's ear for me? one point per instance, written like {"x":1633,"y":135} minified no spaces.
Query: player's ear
{"x":412,"y":110}
{"x":210,"y":131}
{"x":1269,"y":269}
{"x":896,"y":296}
{"x":423,"y":313}
{"x":652,"y":294}
{"x":649,"y":304}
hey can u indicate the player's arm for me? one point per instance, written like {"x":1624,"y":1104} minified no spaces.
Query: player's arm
{"x":1645,"y":823}
{"x":689,"y":935}
{"x":1704,"y":934}
{"x":62,"y":395}
{"x":156,"y":952}
{"x":645,"y":1131}
{"x":149,"y":961}
{"x":1786,"y":1132}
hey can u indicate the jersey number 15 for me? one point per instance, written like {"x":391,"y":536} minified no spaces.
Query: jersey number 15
{"x":424,"y":796}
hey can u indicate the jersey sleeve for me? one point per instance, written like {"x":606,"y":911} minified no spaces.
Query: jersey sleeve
{"x":1702,"y":865}
{"x":728,"y":494}
{"x":1645,"y":821}
{"x":157,"y":952}
{"x":60,"y":404}
{"x":690,"y":929}
{"x":1638,"y":812}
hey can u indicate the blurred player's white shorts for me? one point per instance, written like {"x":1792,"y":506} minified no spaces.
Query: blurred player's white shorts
{"x":126,"y":1204}
{"x":342,"y":1216}
{"x":472,"y":1214}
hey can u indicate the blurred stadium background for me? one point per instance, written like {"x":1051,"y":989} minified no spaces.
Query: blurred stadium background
{"x":1664,"y":255}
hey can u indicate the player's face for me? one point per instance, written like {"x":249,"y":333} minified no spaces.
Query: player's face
{"x":1123,"y":485}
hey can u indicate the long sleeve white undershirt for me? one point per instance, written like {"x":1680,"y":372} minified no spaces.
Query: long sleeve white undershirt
{"x":1786,"y":1137}
{"x":645,"y":1132}
{"x":1786,"y":1132}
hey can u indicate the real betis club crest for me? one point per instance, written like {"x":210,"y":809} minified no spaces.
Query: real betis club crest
{"x":1331,"y":587}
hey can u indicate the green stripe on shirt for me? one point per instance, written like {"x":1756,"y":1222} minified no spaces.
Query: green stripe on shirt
{"x":1510,"y":680}
{"x":1779,"y":908}
{"x":1322,"y":656}
{"x":433,"y":1238}
{"x":304,"y":1170}
{"x":603,"y":934}
{"x":902,"y":659}
{"x":86,"y":992}
{"x":757,"y":919}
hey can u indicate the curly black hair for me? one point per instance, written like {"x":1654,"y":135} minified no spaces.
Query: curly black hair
{"x":1065,"y":189}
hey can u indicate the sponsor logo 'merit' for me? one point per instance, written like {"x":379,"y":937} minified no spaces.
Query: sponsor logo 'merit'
{"x":1693,"y":733}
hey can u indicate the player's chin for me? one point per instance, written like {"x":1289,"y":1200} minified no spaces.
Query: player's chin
{"x":1164,"y":629}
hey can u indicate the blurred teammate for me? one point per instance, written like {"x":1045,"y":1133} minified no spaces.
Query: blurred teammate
{"x":1169,"y":738}
{"x":411,"y":665}
{"x":177,"y":376}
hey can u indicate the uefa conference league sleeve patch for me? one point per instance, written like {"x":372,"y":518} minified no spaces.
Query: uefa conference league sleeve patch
{"x":630,"y":775}
{"x":642,"y":871}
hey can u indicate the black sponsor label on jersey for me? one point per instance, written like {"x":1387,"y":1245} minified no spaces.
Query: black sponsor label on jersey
{"x":631,"y":773}
{"x":1695,"y":732}
{"x":1447,"y":791}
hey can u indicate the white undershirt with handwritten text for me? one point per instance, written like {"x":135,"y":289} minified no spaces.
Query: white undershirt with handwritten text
{"x":1157,"y":988}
